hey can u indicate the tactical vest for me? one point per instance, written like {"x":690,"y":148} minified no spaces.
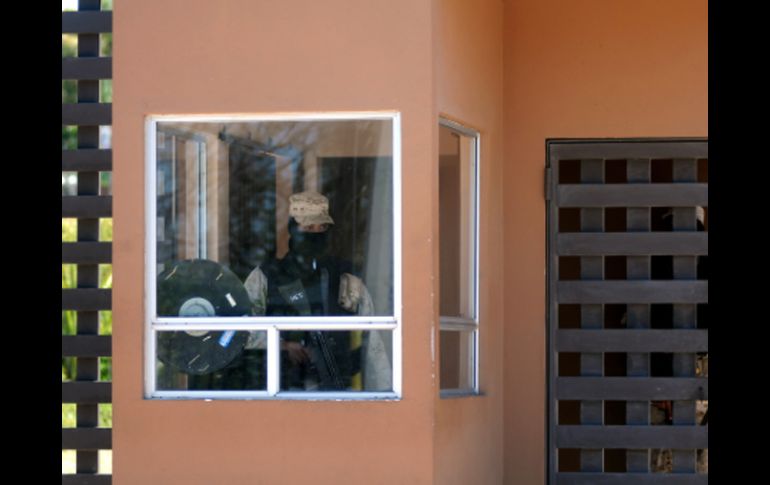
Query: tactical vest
{"x":292,"y":291}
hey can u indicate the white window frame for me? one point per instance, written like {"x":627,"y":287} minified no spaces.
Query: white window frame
{"x":272,"y":325}
{"x":468,"y":324}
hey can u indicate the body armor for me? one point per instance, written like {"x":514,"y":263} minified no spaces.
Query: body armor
{"x":296,"y":291}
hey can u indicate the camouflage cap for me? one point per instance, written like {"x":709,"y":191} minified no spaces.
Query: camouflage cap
{"x":310,"y":207}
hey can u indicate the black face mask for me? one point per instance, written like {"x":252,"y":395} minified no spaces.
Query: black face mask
{"x":308,"y":244}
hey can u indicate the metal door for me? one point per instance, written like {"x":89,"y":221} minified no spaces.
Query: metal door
{"x":628,"y":300}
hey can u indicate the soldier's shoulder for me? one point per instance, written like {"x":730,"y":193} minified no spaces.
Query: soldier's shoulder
{"x":256,"y":278}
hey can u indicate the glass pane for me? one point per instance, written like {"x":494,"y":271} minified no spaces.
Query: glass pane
{"x":457,"y":359}
{"x":353,"y":360}
{"x":222,"y":360}
{"x":457,"y":213}
{"x":300,"y":213}
{"x":201,"y":288}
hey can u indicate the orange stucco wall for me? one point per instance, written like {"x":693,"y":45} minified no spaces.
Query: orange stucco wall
{"x":246,"y":56}
{"x":582,"y":68}
{"x":468,"y":79}
{"x":519,"y":71}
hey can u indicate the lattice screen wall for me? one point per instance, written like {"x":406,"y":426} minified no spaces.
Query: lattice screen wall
{"x":628,"y":295}
{"x":86,"y":205}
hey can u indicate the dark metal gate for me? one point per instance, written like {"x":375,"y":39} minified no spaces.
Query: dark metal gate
{"x":628,"y":295}
{"x":85,"y":202}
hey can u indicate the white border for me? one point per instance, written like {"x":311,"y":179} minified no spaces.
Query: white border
{"x":150,"y":249}
{"x":153,"y":324}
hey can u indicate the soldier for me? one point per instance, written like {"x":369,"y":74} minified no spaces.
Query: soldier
{"x":308,"y":281}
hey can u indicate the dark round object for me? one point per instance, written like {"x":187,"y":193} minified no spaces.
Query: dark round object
{"x":200,"y":288}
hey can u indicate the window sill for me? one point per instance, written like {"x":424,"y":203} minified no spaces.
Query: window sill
{"x":262,"y":396}
{"x":457,"y":393}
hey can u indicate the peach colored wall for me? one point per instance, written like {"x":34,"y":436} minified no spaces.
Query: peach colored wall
{"x":468,"y":79}
{"x":582,"y":68}
{"x":590,"y":68}
{"x":247,"y":56}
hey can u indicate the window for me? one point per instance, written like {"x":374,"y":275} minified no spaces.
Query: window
{"x":273,"y":257}
{"x":458,"y":254}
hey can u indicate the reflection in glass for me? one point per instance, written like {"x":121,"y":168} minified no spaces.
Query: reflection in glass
{"x":215,"y":360}
{"x":458,"y":237}
{"x":457,"y":348}
{"x":457,"y":179}
{"x":336,"y":361}
{"x":224,"y":189}
{"x":274,"y":219}
{"x":201,"y":288}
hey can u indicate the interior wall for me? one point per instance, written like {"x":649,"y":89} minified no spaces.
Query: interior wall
{"x":468,"y":83}
{"x":246,"y":56}
{"x":578,"y":69}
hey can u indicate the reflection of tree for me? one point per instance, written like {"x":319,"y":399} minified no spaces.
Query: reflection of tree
{"x":348,"y":182}
{"x":358,"y":189}
{"x":285,"y":138}
{"x":252,"y":208}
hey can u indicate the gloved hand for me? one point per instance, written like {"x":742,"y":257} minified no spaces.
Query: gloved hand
{"x":351,"y":290}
